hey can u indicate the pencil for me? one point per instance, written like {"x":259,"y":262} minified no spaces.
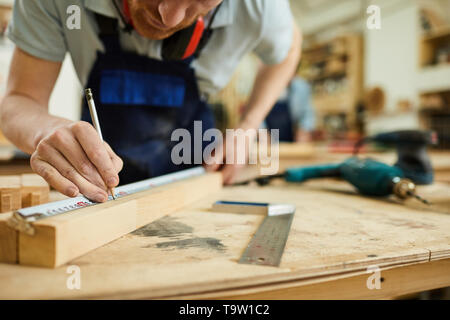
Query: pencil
{"x":96,"y":123}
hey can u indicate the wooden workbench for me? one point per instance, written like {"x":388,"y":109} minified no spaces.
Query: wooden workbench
{"x":336,"y":235}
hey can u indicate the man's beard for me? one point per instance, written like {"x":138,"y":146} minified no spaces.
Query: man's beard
{"x":146,"y":28}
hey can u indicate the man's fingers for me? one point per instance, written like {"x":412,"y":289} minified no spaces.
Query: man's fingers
{"x":214,"y":163}
{"x":212,"y":167}
{"x":229,"y":173}
{"x":95,"y":150}
{"x":63,"y":141}
{"x":216,"y":160}
{"x":65,"y":169}
{"x":53,"y":177}
{"x":117,"y":161}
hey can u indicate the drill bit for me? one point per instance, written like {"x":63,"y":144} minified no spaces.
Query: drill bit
{"x":405,"y":188}
{"x":425,"y":201}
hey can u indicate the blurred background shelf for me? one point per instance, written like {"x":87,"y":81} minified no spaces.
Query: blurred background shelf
{"x":435,"y":47}
{"x":335,"y":70}
{"x":434,"y":78}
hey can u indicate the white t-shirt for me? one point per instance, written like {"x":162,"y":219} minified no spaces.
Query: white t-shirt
{"x":264,"y":27}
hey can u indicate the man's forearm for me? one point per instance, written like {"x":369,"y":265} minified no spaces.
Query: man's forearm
{"x":270,"y":83}
{"x":25,"y":122}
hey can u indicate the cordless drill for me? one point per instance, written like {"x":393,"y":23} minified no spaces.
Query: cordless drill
{"x":374,"y":178}
{"x":370,"y":177}
{"x":412,"y":153}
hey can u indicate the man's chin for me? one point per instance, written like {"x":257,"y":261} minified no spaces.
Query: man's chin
{"x":156,"y":35}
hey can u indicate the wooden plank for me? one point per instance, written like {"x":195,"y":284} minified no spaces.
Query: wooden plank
{"x":10,"y":197}
{"x":8,"y":241}
{"x":285,"y":151}
{"x":62,"y":238}
{"x":34,"y":190}
{"x":297,"y":150}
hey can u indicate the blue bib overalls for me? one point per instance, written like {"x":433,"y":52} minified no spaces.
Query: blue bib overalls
{"x":140,"y":102}
{"x":280,"y":118}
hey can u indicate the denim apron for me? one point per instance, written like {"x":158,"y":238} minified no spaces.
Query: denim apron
{"x":140,"y":101}
{"x":280,"y":118}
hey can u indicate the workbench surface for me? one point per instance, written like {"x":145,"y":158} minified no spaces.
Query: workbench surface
{"x":336,"y":235}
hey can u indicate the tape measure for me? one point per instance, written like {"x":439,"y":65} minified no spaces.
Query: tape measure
{"x":267,"y":245}
{"x":32,"y":214}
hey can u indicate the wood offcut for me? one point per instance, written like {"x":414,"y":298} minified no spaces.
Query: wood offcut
{"x":23,"y":191}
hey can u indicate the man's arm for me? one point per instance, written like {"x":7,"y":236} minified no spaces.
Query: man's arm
{"x":24,"y":108}
{"x":269,"y":84}
{"x":70,"y":156}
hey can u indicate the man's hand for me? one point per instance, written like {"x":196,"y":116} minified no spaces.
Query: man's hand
{"x":232,"y":156}
{"x":73,"y":159}
{"x":269,"y":83}
{"x":302,"y":136}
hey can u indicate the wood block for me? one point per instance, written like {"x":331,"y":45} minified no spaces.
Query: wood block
{"x":34,"y":189}
{"x":297,"y":150}
{"x":8,"y":241}
{"x":6,"y":201}
{"x":10,"y":196}
{"x":62,"y":238}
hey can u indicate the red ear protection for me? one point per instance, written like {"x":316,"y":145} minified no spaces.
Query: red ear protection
{"x":196,"y":36}
{"x":181,"y":45}
{"x":126,"y":11}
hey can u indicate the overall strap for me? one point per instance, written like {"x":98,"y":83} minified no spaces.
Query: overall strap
{"x":208,"y":32}
{"x":108,"y":32}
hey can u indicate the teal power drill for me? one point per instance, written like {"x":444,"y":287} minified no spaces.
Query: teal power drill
{"x":370,"y":177}
{"x":374,"y":178}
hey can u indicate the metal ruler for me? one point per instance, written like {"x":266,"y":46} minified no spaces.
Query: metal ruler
{"x":55,"y":208}
{"x":267,"y":245}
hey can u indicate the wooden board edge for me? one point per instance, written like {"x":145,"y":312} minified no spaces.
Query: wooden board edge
{"x":395,"y":281}
{"x":8,"y":241}
{"x":38,"y":250}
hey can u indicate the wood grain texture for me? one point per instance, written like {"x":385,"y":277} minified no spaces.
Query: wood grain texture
{"x":34,"y":190}
{"x":10,"y":196}
{"x":194,"y":251}
{"x":8,"y":241}
{"x":62,"y":238}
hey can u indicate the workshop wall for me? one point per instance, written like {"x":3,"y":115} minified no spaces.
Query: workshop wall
{"x":65,"y":100}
